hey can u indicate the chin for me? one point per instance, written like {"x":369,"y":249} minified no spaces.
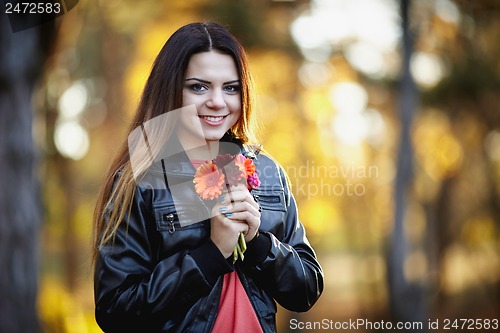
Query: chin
{"x":213,"y":137}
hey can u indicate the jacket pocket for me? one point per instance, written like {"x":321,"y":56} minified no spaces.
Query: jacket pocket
{"x":171,"y":218}
{"x":270,"y":198}
{"x":273,"y":210}
{"x":181,"y":227}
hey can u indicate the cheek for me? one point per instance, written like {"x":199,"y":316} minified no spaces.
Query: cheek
{"x":236,"y":115}
{"x":189,"y":98}
{"x":234,"y":104}
{"x":185,"y":99}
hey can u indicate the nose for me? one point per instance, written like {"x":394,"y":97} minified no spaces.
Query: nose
{"x":216,"y":100}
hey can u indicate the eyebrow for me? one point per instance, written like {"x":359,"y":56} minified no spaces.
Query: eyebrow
{"x":208,"y":82}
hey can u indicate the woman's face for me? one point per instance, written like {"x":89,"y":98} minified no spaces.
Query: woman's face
{"x":212,"y":85}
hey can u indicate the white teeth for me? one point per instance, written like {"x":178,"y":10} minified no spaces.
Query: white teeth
{"x":213,"y":119}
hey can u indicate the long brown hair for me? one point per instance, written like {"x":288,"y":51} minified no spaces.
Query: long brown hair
{"x":163,"y":93}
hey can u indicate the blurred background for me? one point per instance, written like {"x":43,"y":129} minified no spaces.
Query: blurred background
{"x":384,"y":113}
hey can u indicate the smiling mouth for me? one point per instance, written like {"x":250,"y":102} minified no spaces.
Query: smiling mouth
{"x":213,"y":119}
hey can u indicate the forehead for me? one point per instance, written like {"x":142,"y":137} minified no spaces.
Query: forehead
{"x":212,"y":65}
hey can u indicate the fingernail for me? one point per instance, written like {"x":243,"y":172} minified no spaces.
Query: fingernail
{"x":221,"y":199}
{"x":222,"y":209}
{"x":229,"y":214}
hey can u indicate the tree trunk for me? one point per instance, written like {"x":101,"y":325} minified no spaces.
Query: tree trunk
{"x":21,"y":59}
{"x":406,"y":298}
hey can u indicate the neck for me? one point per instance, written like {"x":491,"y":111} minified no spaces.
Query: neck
{"x":206,"y":152}
{"x":198,"y":148}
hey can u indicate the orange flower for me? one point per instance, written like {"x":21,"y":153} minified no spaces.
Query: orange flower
{"x":245,"y":164}
{"x":208,"y":181}
{"x":239,"y":162}
{"x":249,"y":167}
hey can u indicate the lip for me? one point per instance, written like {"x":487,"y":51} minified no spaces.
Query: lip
{"x":213,"y":120}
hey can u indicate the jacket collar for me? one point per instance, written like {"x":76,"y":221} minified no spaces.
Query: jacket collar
{"x":176,"y":160}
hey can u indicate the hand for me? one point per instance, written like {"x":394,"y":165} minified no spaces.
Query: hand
{"x":243,"y":208}
{"x":224,"y":232}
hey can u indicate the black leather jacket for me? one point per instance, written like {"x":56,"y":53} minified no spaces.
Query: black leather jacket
{"x":161,"y":276}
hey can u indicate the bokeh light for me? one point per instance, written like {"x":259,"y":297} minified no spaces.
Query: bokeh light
{"x":71,"y":139}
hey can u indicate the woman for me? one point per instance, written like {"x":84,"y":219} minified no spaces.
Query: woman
{"x":163,"y":256}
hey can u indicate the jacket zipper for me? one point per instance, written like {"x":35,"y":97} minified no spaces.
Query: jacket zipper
{"x":169,"y":218}
{"x":266,"y":199}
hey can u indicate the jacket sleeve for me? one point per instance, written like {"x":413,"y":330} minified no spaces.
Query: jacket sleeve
{"x":287,"y":268}
{"x":134,"y":290}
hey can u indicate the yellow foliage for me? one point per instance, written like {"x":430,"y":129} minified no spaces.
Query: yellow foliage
{"x":436,"y":148}
{"x":316,"y":104}
{"x":343,"y":70}
{"x":62,"y":312}
{"x":148,"y":44}
{"x":479,"y":231}
{"x":274,"y":72}
{"x":320,"y":216}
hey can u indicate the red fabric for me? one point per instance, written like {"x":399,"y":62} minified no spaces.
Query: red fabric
{"x":196,"y":163}
{"x":236,"y":313}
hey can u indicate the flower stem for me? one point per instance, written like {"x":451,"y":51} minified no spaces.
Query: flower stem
{"x":235,"y":254}
{"x":243,"y":244}
{"x":240,"y":248}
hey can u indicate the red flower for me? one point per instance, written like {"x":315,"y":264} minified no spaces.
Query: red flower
{"x":239,"y":162}
{"x":222,"y":160}
{"x":210,"y":177}
{"x":246,"y":165}
{"x":233,"y":174}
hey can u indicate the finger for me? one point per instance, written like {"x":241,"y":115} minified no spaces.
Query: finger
{"x":238,"y":196}
{"x":222,"y":206}
{"x":242,"y":207}
{"x":235,"y":225}
{"x":245,"y":217}
{"x":237,"y":221}
{"x":233,"y":190}
{"x":240,"y":226}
